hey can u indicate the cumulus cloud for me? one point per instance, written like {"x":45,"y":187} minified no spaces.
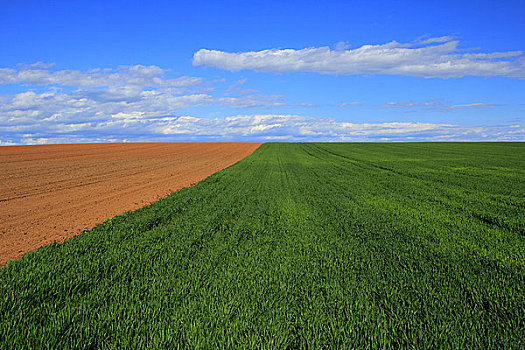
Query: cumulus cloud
{"x":437,"y":104}
{"x":430,"y":58}
{"x":138,"y":103}
{"x":101,"y":94}
{"x":94,"y":105}
{"x":138,"y":75}
{"x":257,"y":127}
{"x":103,"y":101}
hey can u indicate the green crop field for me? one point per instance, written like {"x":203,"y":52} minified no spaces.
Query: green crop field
{"x":317,"y":245}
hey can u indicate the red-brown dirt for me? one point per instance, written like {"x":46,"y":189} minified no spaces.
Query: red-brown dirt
{"x":51,"y":192}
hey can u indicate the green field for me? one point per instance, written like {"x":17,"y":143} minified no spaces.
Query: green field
{"x":413,"y":245}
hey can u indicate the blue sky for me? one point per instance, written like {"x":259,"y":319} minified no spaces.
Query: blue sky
{"x":109,"y":71}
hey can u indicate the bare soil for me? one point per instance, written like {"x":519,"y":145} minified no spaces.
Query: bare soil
{"x":52,"y":192}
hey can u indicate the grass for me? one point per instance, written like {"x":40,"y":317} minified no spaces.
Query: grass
{"x":297,"y":246}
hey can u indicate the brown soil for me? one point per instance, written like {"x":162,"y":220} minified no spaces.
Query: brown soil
{"x":50,"y":193}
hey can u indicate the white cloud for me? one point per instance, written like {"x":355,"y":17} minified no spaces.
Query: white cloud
{"x":437,"y":104}
{"x":111,"y":113}
{"x":307,"y":105}
{"x":341,"y":46}
{"x":7,"y":143}
{"x":237,"y":88}
{"x":344,"y":104}
{"x":440,"y":39}
{"x":105,"y":94}
{"x":85,"y":106}
{"x":138,"y":75}
{"x":138,"y":103}
{"x":28,"y":140}
{"x":256,"y":127}
{"x":36,"y":65}
{"x":403,"y":104}
{"x":430,"y":58}
{"x":471,"y":106}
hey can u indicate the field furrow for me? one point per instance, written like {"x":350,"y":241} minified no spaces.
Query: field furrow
{"x":50,"y":193}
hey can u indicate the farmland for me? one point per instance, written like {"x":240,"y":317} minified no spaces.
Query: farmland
{"x":296,"y":246}
{"x":52,"y":192}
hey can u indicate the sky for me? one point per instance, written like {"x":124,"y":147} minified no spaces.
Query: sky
{"x":126,"y":71}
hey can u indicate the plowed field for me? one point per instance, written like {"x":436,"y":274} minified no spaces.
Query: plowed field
{"x":49,"y":193}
